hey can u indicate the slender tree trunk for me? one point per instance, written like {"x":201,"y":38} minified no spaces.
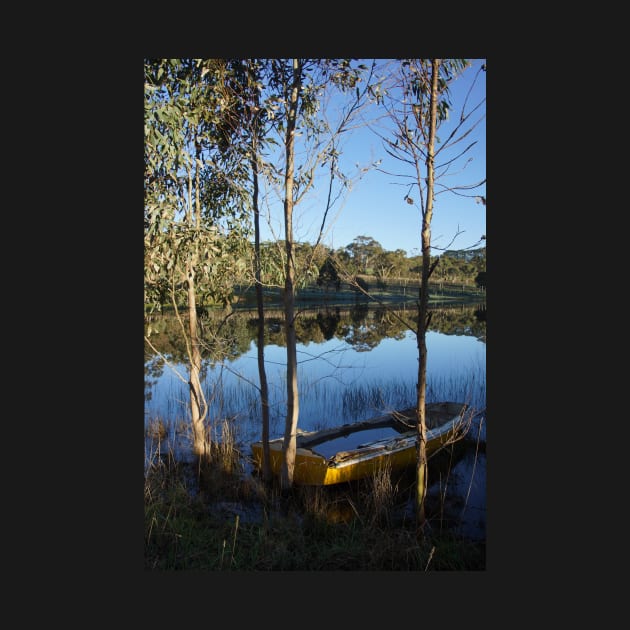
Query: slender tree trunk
{"x":293,"y":406}
{"x":197,"y":404}
{"x":421,"y":487}
{"x":264,"y":388}
{"x":197,"y":400}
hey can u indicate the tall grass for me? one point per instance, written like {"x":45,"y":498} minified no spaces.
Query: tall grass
{"x":195,"y":521}
{"x":235,"y":408}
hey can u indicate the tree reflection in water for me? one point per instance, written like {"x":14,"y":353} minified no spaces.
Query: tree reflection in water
{"x":353,"y":361}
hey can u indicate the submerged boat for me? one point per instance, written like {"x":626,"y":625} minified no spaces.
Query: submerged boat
{"x":353,"y":451}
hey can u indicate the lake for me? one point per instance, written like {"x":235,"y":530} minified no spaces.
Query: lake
{"x":354,"y":362}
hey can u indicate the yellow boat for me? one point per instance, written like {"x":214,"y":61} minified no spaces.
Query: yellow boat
{"x":352,"y":451}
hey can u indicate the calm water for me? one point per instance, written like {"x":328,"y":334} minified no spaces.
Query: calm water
{"x":336,"y":383}
{"x":351,"y":366}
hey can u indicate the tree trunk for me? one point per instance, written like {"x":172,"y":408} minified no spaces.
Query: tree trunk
{"x":421,"y":486}
{"x":264,"y":388}
{"x":197,"y":400}
{"x":293,"y":406}
{"x":198,"y":406}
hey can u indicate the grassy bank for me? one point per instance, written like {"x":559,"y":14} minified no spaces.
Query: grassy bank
{"x":212,"y":516}
{"x":390,"y":293}
{"x":394,"y":291}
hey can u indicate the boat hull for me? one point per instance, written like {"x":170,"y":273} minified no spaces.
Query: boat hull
{"x":393,"y":454}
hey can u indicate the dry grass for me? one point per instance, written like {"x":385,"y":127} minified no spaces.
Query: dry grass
{"x":379,"y":495}
{"x":156,"y":429}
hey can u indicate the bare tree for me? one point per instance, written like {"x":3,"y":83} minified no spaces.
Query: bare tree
{"x":296,"y":88}
{"x":417,"y":103}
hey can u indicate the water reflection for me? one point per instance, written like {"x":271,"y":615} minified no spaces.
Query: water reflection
{"x":354,"y":361}
{"x":229,"y":336}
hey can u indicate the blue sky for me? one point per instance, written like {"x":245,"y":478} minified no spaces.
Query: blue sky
{"x":376,"y":206}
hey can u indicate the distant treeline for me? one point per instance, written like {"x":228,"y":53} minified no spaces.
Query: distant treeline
{"x":366,"y":258}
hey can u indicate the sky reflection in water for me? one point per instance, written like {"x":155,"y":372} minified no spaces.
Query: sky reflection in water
{"x":332,"y":372}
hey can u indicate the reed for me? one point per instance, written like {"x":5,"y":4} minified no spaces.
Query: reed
{"x":378,"y":494}
{"x":157,"y":429}
{"x":321,"y":406}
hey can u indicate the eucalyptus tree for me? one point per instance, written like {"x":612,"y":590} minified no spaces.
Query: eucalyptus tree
{"x":195,"y":219}
{"x":364,"y":250}
{"x":390,"y":263}
{"x":296,"y":91}
{"x":417,"y":104}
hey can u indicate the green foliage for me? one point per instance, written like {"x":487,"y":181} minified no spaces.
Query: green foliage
{"x":419,"y":81}
{"x":363,"y":252}
{"x":195,"y":215}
